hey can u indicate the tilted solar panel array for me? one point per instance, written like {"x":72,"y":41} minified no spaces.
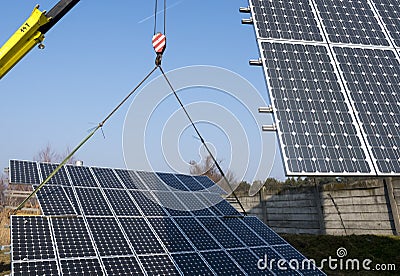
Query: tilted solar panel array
{"x":109,"y":221}
{"x":333,"y":74}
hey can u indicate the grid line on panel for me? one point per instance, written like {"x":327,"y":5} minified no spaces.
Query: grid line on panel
{"x":314,"y":117}
{"x":53,"y":200}
{"x":222,"y":263}
{"x":57,"y":253}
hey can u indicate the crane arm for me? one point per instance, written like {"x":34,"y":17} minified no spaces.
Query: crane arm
{"x":31,"y":33}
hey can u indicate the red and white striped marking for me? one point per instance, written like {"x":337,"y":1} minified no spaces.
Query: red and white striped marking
{"x":159,"y":42}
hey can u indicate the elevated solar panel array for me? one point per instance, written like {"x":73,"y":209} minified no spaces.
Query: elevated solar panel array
{"x":104,"y":221}
{"x":333,"y":74}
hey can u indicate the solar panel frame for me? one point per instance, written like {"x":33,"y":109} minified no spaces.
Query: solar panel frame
{"x":280,"y":132}
{"x":31,"y":172}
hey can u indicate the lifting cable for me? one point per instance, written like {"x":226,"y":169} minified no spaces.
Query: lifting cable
{"x":202,"y":140}
{"x":99,"y":126}
{"x":159,"y":44}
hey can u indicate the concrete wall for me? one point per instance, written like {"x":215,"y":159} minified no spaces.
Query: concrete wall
{"x":369,"y":207}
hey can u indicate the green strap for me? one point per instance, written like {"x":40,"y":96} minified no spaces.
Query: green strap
{"x":57,"y":169}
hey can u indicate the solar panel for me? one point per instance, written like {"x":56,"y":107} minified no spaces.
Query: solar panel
{"x":122,"y":266}
{"x":36,"y":268}
{"x":371,"y":77}
{"x":299,"y":23}
{"x":31,"y":239}
{"x":122,"y":203}
{"x":109,"y":239}
{"x":72,"y":238}
{"x":222,"y":264}
{"x":24,"y":172}
{"x":81,"y":267}
{"x":60,"y":178}
{"x":389,"y":11}
{"x":191,"y":263}
{"x":107,"y":178}
{"x":81,"y":176}
{"x":329,"y":93}
{"x":351,"y":22}
{"x":93,"y":202}
{"x":55,"y":201}
{"x":124,"y":231}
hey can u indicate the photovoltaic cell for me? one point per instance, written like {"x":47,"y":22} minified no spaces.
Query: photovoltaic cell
{"x":24,"y":172}
{"x":221,"y":233}
{"x":269,"y":254}
{"x":72,"y":238}
{"x":315,"y":125}
{"x":54,"y":201}
{"x":81,"y":267}
{"x":204,"y":180}
{"x":171,"y":203}
{"x":172,"y":181}
{"x":248,"y":261}
{"x":31,"y":239}
{"x":372,"y":77}
{"x":263,"y":231}
{"x":153,"y":181}
{"x":158,"y":265}
{"x":107,"y":178}
{"x":93,"y":202}
{"x":389,"y":11}
{"x":108,"y":237}
{"x":221,"y":263}
{"x":351,"y":22}
{"x":122,"y":203}
{"x":196,"y":233}
{"x":191,"y":182}
{"x":148,"y":204}
{"x":60,"y":178}
{"x":35,"y":268}
{"x":191,"y":264}
{"x":130,"y":179}
{"x":243,"y":232}
{"x":141,"y":236}
{"x":122,"y":266}
{"x":170,"y":235}
{"x":299,"y":22}
{"x":81,"y":176}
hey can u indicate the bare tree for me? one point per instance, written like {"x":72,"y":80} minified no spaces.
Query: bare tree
{"x":49,"y":155}
{"x":208,"y":168}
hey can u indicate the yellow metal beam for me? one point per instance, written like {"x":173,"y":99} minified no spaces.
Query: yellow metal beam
{"x":22,"y":41}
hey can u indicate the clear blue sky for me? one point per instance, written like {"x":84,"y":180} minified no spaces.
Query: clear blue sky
{"x":96,"y":54}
